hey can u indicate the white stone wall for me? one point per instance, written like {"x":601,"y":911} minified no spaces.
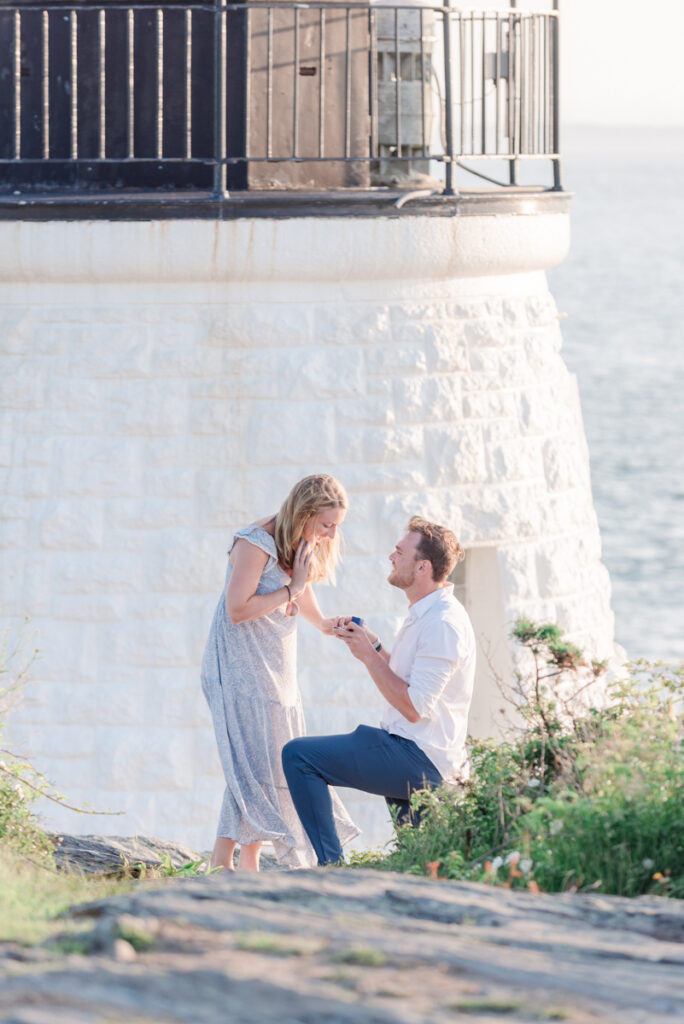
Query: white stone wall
{"x":163,"y":384}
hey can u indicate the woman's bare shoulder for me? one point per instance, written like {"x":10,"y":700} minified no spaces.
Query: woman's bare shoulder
{"x":267,"y":524}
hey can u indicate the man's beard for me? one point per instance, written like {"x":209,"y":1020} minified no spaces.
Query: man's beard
{"x":401,"y":580}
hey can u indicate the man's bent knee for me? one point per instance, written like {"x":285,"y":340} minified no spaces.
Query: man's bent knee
{"x":291,"y":753}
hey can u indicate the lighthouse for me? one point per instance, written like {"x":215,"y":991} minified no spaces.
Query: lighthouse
{"x":242,"y":243}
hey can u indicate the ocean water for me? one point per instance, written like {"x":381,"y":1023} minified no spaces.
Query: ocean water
{"x":622,"y":288}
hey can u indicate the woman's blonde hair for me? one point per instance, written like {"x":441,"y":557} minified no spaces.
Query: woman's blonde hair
{"x":308,"y":497}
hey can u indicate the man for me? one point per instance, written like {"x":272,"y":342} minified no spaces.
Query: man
{"x":427,"y":683}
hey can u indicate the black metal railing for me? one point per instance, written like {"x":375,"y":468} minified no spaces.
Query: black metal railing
{"x":222,"y":97}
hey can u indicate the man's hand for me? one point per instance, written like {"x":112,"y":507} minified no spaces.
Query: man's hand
{"x":357,"y":639}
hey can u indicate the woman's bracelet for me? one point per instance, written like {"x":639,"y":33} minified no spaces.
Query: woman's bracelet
{"x":377,"y":646}
{"x":289,"y":592}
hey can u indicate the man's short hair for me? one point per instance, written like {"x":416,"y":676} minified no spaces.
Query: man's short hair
{"x":438,"y":546}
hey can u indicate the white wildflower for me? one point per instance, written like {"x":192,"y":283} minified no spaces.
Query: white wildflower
{"x":533,"y":784}
{"x":555,"y":827}
{"x":513,"y":857}
{"x":648,"y":863}
{"x":526,"y":866}
{"x":497,"y":863}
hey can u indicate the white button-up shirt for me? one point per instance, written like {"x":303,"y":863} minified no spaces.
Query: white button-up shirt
{"x":434,"y":652}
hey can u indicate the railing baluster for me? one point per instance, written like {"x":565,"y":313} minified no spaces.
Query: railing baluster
{"x":483,"y":102}
{"x":269,"y":84}
{"x":472,"y":82}
{"x":248,"y":85}
{"x":422,"y":84}
{"x":130,"y":39}
{"x":73,"y":20}
{"x":188,"y":83}
{"x":220,"y":98}
{"x":397,"y":81}
{"x":448,"y":112}
{"x":17,"y":85}
{"x":497,"y":90}
{"x":103,"y":87}
{"x":321,"y":87}
{"x":295,"y":86}
{"x":45,"y":31}
{"x":462,"y":80}
{"x":160,"y":84}
{"x":556,"y":118}
{"x":347,"y":89}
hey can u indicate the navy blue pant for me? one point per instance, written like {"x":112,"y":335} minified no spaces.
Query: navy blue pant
{"x":369,"y":759}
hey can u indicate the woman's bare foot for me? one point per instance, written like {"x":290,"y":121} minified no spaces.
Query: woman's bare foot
{"x":249,"y":857}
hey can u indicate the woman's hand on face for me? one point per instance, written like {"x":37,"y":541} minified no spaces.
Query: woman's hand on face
{"x":300,"y":567}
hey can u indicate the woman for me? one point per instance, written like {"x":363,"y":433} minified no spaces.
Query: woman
{"x":249,"y":669}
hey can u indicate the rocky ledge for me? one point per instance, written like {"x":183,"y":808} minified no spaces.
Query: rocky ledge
{"x":341,"y":946}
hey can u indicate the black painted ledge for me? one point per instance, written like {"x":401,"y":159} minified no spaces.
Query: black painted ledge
{"x":146,"y":206}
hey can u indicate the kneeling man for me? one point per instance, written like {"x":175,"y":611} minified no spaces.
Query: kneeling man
{"x":427,"y":682}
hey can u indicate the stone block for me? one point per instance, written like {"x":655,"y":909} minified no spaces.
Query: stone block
{"x":185,"y":358}
{"x":20,"y":386}
{"x":90,"y":608}
{"x":518,"y":573}
{"x":351,"y":323}
{"x":148,"y":513}
{"x":33,"y":452}
{"x":497,"y":431}
{"x":446,"y":348}
{"x":558,"y":569}
{"x":454,"y":453}
{"x":565,"y":466}
{"x":96,"y":572}
{"x":428,"y":399}
{"x":368,"y":410}
{"x":488,"y":405}
{"x":184,"y":561}
{"x":374,"y":478}
{"x":383,"y":444}
{"x":218,"y":501}
{"x":518,"y":459}
{"x":98,"y":467}
{"x":396,"y":358}
{"x":150,"y":644}
{"x":169,"y":483}
{"x":485,"y":360}
{"x":541,"y":309}
{"x":14,"y":534}
{"x":146,"y":759}
{"x":101,"y":350}
{"x":218,"y":418}
{"x":149,"y":409}
{"x":284,"y":432}
{"x":265,"y":488}
{"x":482,"y":382}
{"x":25,"y":483}
{"x":72,"y":525}
{"x":438,"y":504}
{"x":256,"y":326}
{"x":492,"y":331}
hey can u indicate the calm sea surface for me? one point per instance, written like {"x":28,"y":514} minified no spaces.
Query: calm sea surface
{"x":623,"y":290}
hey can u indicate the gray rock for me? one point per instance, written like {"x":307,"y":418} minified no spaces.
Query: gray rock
{"x":341,"y":946}
{"x":109,"y":855}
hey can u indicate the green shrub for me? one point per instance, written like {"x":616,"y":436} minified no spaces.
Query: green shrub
{"x":578,"y":796}
{"x":20,"y":783}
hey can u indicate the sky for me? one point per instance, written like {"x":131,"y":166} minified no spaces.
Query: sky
{"x":621,"y":60}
